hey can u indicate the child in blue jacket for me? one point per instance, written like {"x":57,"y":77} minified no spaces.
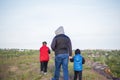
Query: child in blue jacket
{"x":78,"y":61}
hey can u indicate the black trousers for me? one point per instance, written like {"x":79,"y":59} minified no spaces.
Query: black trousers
{"x":77,"y":74}
{"x":43,"y":66}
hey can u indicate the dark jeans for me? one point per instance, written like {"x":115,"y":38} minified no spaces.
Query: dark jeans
{"x":61,"y":60}
{"x":43,"y":66}
{"x":77,"y":74}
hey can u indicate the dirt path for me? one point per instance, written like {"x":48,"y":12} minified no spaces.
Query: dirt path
{"x":100,"y":69}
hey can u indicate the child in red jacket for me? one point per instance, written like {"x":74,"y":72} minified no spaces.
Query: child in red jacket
{"x":44,"y":57}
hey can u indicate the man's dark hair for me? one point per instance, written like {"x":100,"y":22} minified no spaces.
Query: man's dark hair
{"x":77,"y":51}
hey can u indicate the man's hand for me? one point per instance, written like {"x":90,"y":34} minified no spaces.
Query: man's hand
{"x":70,"y":57}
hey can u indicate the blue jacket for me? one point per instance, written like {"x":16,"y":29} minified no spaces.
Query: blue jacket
{"x":78,"y":62}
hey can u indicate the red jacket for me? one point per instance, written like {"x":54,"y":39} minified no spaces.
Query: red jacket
{"x":44,"y":53}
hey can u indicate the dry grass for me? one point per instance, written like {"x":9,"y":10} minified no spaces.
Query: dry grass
{"x":26,"y":67}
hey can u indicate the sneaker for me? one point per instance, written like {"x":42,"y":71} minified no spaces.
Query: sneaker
{"x":45,"y":73}
{"x":42,"y":72}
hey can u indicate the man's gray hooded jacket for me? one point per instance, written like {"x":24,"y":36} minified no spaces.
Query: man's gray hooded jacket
{"x":61,"y":43}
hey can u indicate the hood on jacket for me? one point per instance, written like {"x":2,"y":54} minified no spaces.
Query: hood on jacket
{"x":60,"y":30}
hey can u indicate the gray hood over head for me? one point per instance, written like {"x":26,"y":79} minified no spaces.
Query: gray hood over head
{"x":60,"y":30}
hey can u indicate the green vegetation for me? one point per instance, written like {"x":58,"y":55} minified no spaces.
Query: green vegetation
{"x":112,"y":60}
{"x":106,"y":57}
{"x":18,"y":64}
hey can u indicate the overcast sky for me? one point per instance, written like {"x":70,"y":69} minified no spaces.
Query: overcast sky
{"x":91,"y":24}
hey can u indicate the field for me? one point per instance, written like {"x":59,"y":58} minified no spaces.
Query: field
{"x":18,"y":64}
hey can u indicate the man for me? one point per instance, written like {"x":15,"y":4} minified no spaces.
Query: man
{"x":61,"y":45}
